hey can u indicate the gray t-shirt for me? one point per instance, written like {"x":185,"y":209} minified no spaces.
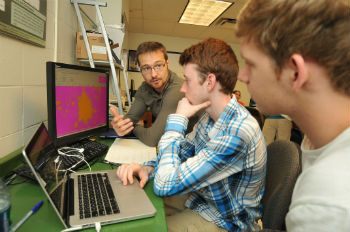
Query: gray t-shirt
{"x":160,"y":104}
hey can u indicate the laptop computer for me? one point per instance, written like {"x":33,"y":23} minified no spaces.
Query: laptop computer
{"x":74,"y":196}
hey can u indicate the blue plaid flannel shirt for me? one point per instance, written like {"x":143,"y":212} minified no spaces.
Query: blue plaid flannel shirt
{"x":222,"y":164}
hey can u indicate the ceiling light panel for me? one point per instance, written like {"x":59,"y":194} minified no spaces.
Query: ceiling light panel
{"x":203,"y":12}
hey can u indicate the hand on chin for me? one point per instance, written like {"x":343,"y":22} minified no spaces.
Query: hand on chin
{"x":188,"y":109}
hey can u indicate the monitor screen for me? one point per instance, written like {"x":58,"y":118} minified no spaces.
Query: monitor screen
{"x":77,"y":99}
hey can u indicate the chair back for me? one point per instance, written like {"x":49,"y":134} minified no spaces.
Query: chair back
{"x":257,"y":115}
{"x":283,"y":168}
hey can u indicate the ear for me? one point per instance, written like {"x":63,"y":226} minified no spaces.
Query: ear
{"x":167,"y":62}
{"x":211,"y":81}
{"x":297,"y":63}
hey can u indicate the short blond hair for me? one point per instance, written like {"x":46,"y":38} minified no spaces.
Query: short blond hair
{"x":317,"y":29}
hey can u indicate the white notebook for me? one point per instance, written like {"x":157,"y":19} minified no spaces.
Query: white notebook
{"x":124,"y":151}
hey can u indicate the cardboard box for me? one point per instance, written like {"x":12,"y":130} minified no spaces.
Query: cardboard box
{"x":97,"y":47}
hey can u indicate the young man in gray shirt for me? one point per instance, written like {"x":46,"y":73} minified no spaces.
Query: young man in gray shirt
{"x":297,"y":63}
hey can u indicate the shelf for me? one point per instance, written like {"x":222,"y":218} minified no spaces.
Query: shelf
{"x":103,"y":63}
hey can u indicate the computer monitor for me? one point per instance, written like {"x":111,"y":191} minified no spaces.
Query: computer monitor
{"x":77,"y":102}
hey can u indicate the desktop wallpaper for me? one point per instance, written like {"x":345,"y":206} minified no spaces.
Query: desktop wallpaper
{"x":79,"y":108}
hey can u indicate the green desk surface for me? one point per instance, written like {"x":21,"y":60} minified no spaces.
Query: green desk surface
{"x":25,"y":195}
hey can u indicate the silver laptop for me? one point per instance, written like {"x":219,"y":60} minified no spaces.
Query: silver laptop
{"x":75,"y":196}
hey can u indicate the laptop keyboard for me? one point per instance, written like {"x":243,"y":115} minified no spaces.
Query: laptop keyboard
{"x":96,"y":197}
{"x":92,"y":150}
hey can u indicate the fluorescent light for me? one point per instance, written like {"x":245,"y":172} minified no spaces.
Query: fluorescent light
{"x":203,"y":12}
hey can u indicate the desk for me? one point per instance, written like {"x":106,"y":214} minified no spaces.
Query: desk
{"x":24,"y":196}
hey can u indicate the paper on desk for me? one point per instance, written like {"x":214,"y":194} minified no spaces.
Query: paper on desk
{"x":130,"y":150}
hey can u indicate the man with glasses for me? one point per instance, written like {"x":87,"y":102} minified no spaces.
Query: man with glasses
{"x":160,"y":92}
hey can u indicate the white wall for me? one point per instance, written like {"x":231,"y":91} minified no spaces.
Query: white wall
{"x":112,"y":14}
{"x":23,"y":85}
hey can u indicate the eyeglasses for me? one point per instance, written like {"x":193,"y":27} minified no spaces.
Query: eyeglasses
{"x":156,"y":68}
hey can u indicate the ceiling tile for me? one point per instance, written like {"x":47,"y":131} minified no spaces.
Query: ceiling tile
{"x":136,"y":25}
{"x":135,"y":4}
{"x":158,"y":27}
{"x":163,"y":10}
{"x":161,"y":17}
{"x":135,"y":13}
{"x":224,"y":34}
{"x":187,"y":30}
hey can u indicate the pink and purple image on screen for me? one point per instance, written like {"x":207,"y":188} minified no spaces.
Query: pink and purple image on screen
{"x":80,"y":108}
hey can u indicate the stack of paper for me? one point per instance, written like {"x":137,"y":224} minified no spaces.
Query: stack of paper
{"x":125,"y":151}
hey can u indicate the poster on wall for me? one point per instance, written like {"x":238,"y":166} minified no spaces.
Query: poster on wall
{"x":132,"y":62}
{"x":24,"y":20}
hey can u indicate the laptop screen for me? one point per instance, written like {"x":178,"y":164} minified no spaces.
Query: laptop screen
{"x":42,"y":154}
{"x":77,"y":100}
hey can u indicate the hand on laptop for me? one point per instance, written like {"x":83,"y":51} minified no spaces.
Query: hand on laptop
{"x":120,"y":125}
{"x":126,"y":173}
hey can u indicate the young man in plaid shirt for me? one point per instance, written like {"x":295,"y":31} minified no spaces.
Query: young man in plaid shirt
{"x":221,"y":164}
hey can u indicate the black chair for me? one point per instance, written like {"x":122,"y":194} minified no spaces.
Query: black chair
{"x":283,"y":168}
{"x":257,"y":115}
{"x":296,"y":134}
